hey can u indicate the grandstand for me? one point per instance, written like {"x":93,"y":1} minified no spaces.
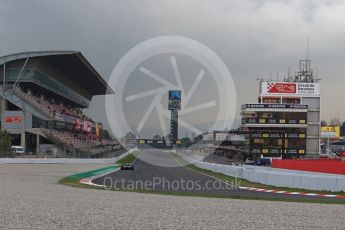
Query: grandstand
{"x":42,"y":95}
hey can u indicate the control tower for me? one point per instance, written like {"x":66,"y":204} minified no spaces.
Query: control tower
{"x":174,"y":106}
{"x":286,"y":120}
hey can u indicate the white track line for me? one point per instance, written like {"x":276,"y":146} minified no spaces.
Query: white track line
{"x":89,"y":180}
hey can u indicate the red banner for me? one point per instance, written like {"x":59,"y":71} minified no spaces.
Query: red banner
{"x":13,"y":119}
{"x":322,"y":165}
{"x":274,"y":87}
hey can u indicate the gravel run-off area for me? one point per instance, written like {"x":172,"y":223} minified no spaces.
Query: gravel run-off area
{"x":31,"y":198}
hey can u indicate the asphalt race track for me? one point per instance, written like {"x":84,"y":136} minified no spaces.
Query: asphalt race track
{"x":178,"y":179}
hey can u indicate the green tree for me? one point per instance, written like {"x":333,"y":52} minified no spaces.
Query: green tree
{"x":197,"y":138}
{"x":106,"y":135}
{"x":157,"y":137}
{"x":5,"y":143}
{"x":186,"y":142}
{"x":323,"y":123}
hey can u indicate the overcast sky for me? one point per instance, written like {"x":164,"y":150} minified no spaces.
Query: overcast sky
{"x":253,"y":38}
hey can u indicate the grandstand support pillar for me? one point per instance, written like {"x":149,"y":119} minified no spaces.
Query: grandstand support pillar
{"x":2,"y":107}
{"x":4,"y":80}
{"x":22,"y":140}
{"x":38,"y":144}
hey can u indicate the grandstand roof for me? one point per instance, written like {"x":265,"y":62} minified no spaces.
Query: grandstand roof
{"x":71,"y":63}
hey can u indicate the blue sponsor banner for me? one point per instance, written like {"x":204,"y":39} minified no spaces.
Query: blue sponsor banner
{"x":174,"y":100}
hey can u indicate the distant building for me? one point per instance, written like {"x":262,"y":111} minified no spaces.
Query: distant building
{"x":286,"y":120}
{"x":207,"y":137}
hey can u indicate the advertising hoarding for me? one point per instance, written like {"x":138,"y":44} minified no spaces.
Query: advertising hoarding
{"x":289,"y":88}
{"x":330,"y":132}
{"x":274,"y":106}
{"x":13,"y":120}
{"x":174,"y":100}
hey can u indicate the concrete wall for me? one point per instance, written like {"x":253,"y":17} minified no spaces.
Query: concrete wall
{"x":63,"y":160}
{"x":277,"y":177}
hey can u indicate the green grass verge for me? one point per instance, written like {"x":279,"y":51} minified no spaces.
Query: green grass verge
{"x":73,"y":180}
{"x":129,"y":159}
{"x":240,"y":197}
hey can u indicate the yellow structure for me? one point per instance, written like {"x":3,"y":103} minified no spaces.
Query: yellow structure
{"x":331,"y":129}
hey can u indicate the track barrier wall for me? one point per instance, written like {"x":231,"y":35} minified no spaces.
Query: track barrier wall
{"x":64,"y":160}
{"x":276,"y":177}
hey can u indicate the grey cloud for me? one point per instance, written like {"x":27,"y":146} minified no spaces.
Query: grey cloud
{"x":253,"y":38}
